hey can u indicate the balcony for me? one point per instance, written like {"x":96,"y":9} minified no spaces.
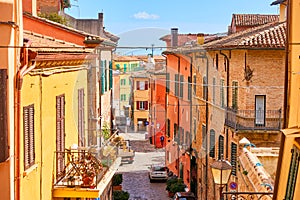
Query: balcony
{"x":86,"y":172}
{"x":255,"y":120}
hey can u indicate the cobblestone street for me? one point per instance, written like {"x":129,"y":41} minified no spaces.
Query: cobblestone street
{"x":135,"y":175}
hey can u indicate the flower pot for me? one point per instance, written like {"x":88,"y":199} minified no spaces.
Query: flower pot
{"x":117,"y":187}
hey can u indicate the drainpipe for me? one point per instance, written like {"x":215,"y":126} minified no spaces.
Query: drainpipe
{"x":19,"y":79}
{"x":227,"y":95}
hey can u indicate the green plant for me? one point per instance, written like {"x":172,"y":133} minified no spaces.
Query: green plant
{"x":120,"y":195}
{"x":178,"y":186}
{"x":117,"y":179}
{"x":54,"y":17}
{"x":245,"y":172}
{"x":171,"y":181}
{"x":105,"y":131}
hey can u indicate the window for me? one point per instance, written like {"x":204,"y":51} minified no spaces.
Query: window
{"x":187,"y":138}
{"x":168,"y":82}
{"x":123,"y":97}
{"x":176,"y":85}
{"x":168,"y":128}
{"x":217,"y":61}
{"x":105,"y":75}
{"x":195,"y":84}
{"x":110,"y":75}
{"x":212,"y":143}
{"x":234,"y":95}
{"x":142,"y":85}
{"x":221,"y":147}
{"x":60,"y":134}
{"x":233,"y":158}
{"x":214,"y":91}
{"x":195,"y":130}
{"x":189,"y":88}
{"x":102,"y":74}
{"x":4,"y":151}
{"x":81,"y":140}
{"x":125,"y":67}
{"x":29,"y":145}
{"x":204,"y":145}
{"x":205,"y":88}
{"x":123,"y":81}
{"x":175,"y":132}
{"x":142,"y":105}
{"x":222,"y":95}
{"x":292,"y":177}
{"x":181,"y":85}
{"x":118,"y":66}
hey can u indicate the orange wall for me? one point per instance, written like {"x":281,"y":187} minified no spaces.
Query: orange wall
{"x":44,"y":28}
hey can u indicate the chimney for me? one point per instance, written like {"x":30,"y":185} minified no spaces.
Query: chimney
{"x":101,"y":27}
{"x":200,"y":38}
{"x":174,"y":37}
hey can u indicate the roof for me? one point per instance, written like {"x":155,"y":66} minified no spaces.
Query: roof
{"x":253,"y":19}
{"x":42,"y":43}
{"x":271,"y":35}
{"x":277,"y":2}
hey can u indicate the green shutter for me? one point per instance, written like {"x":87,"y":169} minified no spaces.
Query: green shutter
{"x":102,"y":77}
{"x":204,"y":145}
{"x":233,"y":158}
{"x":212,"y":143}
{"x":221,"y":147}
{"x":181,"y":85}
{"x":222,"y":93}
{"x":234,"y":95}
{"x":176,"y":84}
{"x":167,"y":82}
{"x":293,"y":172}
{"x":110,"y":75}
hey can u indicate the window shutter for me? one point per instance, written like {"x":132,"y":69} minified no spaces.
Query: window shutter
{"x":221,"y":147}
{"x":176,"y":85}
{"x":138,"y":85}
{"x":168,"y":127}
{"x":195,"y":84}
{"x":4,"y":153}
{"x":233,"y":158}
{"x":212,"y":143}
{"x":137,"y":105}
{"x":81,"y":140}
{"x":110,"y":75}
{"x":146,"y":105}
{"x":146,"y":85}
{"x":234,"y":95}
{"x":204,"y":145}
{"x":293,"y":172}
{"x":105,"y":75}
{"x":189,"y":88}
{"x":102,"y":77}
{"x":222,"y":93}
{"x":181,"y":85}
{"x":60,"y":134}
{"x":214,"y":90}
{"x":29,"y":143}
{"x":168,"y":82}
{"x":26,"y":137}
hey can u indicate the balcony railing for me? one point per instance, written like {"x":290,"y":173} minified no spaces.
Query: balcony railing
{"x":84,"y":167}
{"x":270,"y":120}
{"x":248,"y":195}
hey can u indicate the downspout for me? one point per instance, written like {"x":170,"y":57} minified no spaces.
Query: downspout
{"x":19,"y":79}
{"x":206,"y":122}
{"x":41,"y":147}
{"x":100,"y":98}
{"x":166,"y":111}
{"x":227,"y":95}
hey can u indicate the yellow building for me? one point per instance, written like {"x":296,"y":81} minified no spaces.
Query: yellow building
{"x":287,"y":184}
{"x":140,"y":102}
{"x":11,"y":36}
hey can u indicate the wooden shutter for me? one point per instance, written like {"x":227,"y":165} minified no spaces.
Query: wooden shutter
{"x":168,"y":127}
{"x":181,"y":85}
{"x":138,"y":85}
{"x":110,"y":75}
{"x":4,"y":152}
{"x":176,"y":85}
{"x":222,"y":95}
{"x":233,"y":158}
{"x":189,"y":88}
{"x":234,"y":95}
{"x":221,"y":147}
{"x":212,"y":143}
{"x":195,"y":84}
{"x":146,"y":105}
{"x":105,"y":75}
{"x":204,"y":145}
{"x":168,"y":82}
{"x":146,"y":85}
{"x":137,"y":105}
{"x":28,"y":129}
{"x":60,"y":134}
{"x":81,"y":140}
{"x":293,"y":172}
{"x":102,"y":70}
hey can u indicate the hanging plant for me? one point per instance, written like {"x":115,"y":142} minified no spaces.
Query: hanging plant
{"x":105,"y":131}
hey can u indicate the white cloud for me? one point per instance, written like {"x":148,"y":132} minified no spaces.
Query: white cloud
{"x":145,"y":15}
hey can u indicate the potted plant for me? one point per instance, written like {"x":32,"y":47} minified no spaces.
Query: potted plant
{"x":120,"y":195}
{"x":175,"y":185}
{"x":117,"y":181}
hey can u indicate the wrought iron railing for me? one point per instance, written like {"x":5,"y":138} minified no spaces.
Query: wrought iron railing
{"x":247,"y":195}
{"x":254,"y":119}
{"x":84,"y":166}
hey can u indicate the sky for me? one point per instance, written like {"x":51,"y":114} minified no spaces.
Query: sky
{"x":126,"y":17}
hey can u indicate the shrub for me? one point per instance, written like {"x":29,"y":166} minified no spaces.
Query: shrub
{"x":117,"y":179}
{"x":120,"y":195}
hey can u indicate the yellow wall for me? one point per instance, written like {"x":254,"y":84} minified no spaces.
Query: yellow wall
{"x":42,"y":92}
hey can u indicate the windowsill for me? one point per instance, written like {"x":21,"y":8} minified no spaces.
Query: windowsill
{"x":29,"y":170}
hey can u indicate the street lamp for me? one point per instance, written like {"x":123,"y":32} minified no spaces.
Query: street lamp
{"x":221,"y":171}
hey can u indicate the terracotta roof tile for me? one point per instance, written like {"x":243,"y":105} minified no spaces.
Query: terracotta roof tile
{"x":253,"y":19}
{"x":270,"y":35}
{"x":42,"y":43}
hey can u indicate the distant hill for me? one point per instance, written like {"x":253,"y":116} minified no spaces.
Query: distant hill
{"x":145,"y":37}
